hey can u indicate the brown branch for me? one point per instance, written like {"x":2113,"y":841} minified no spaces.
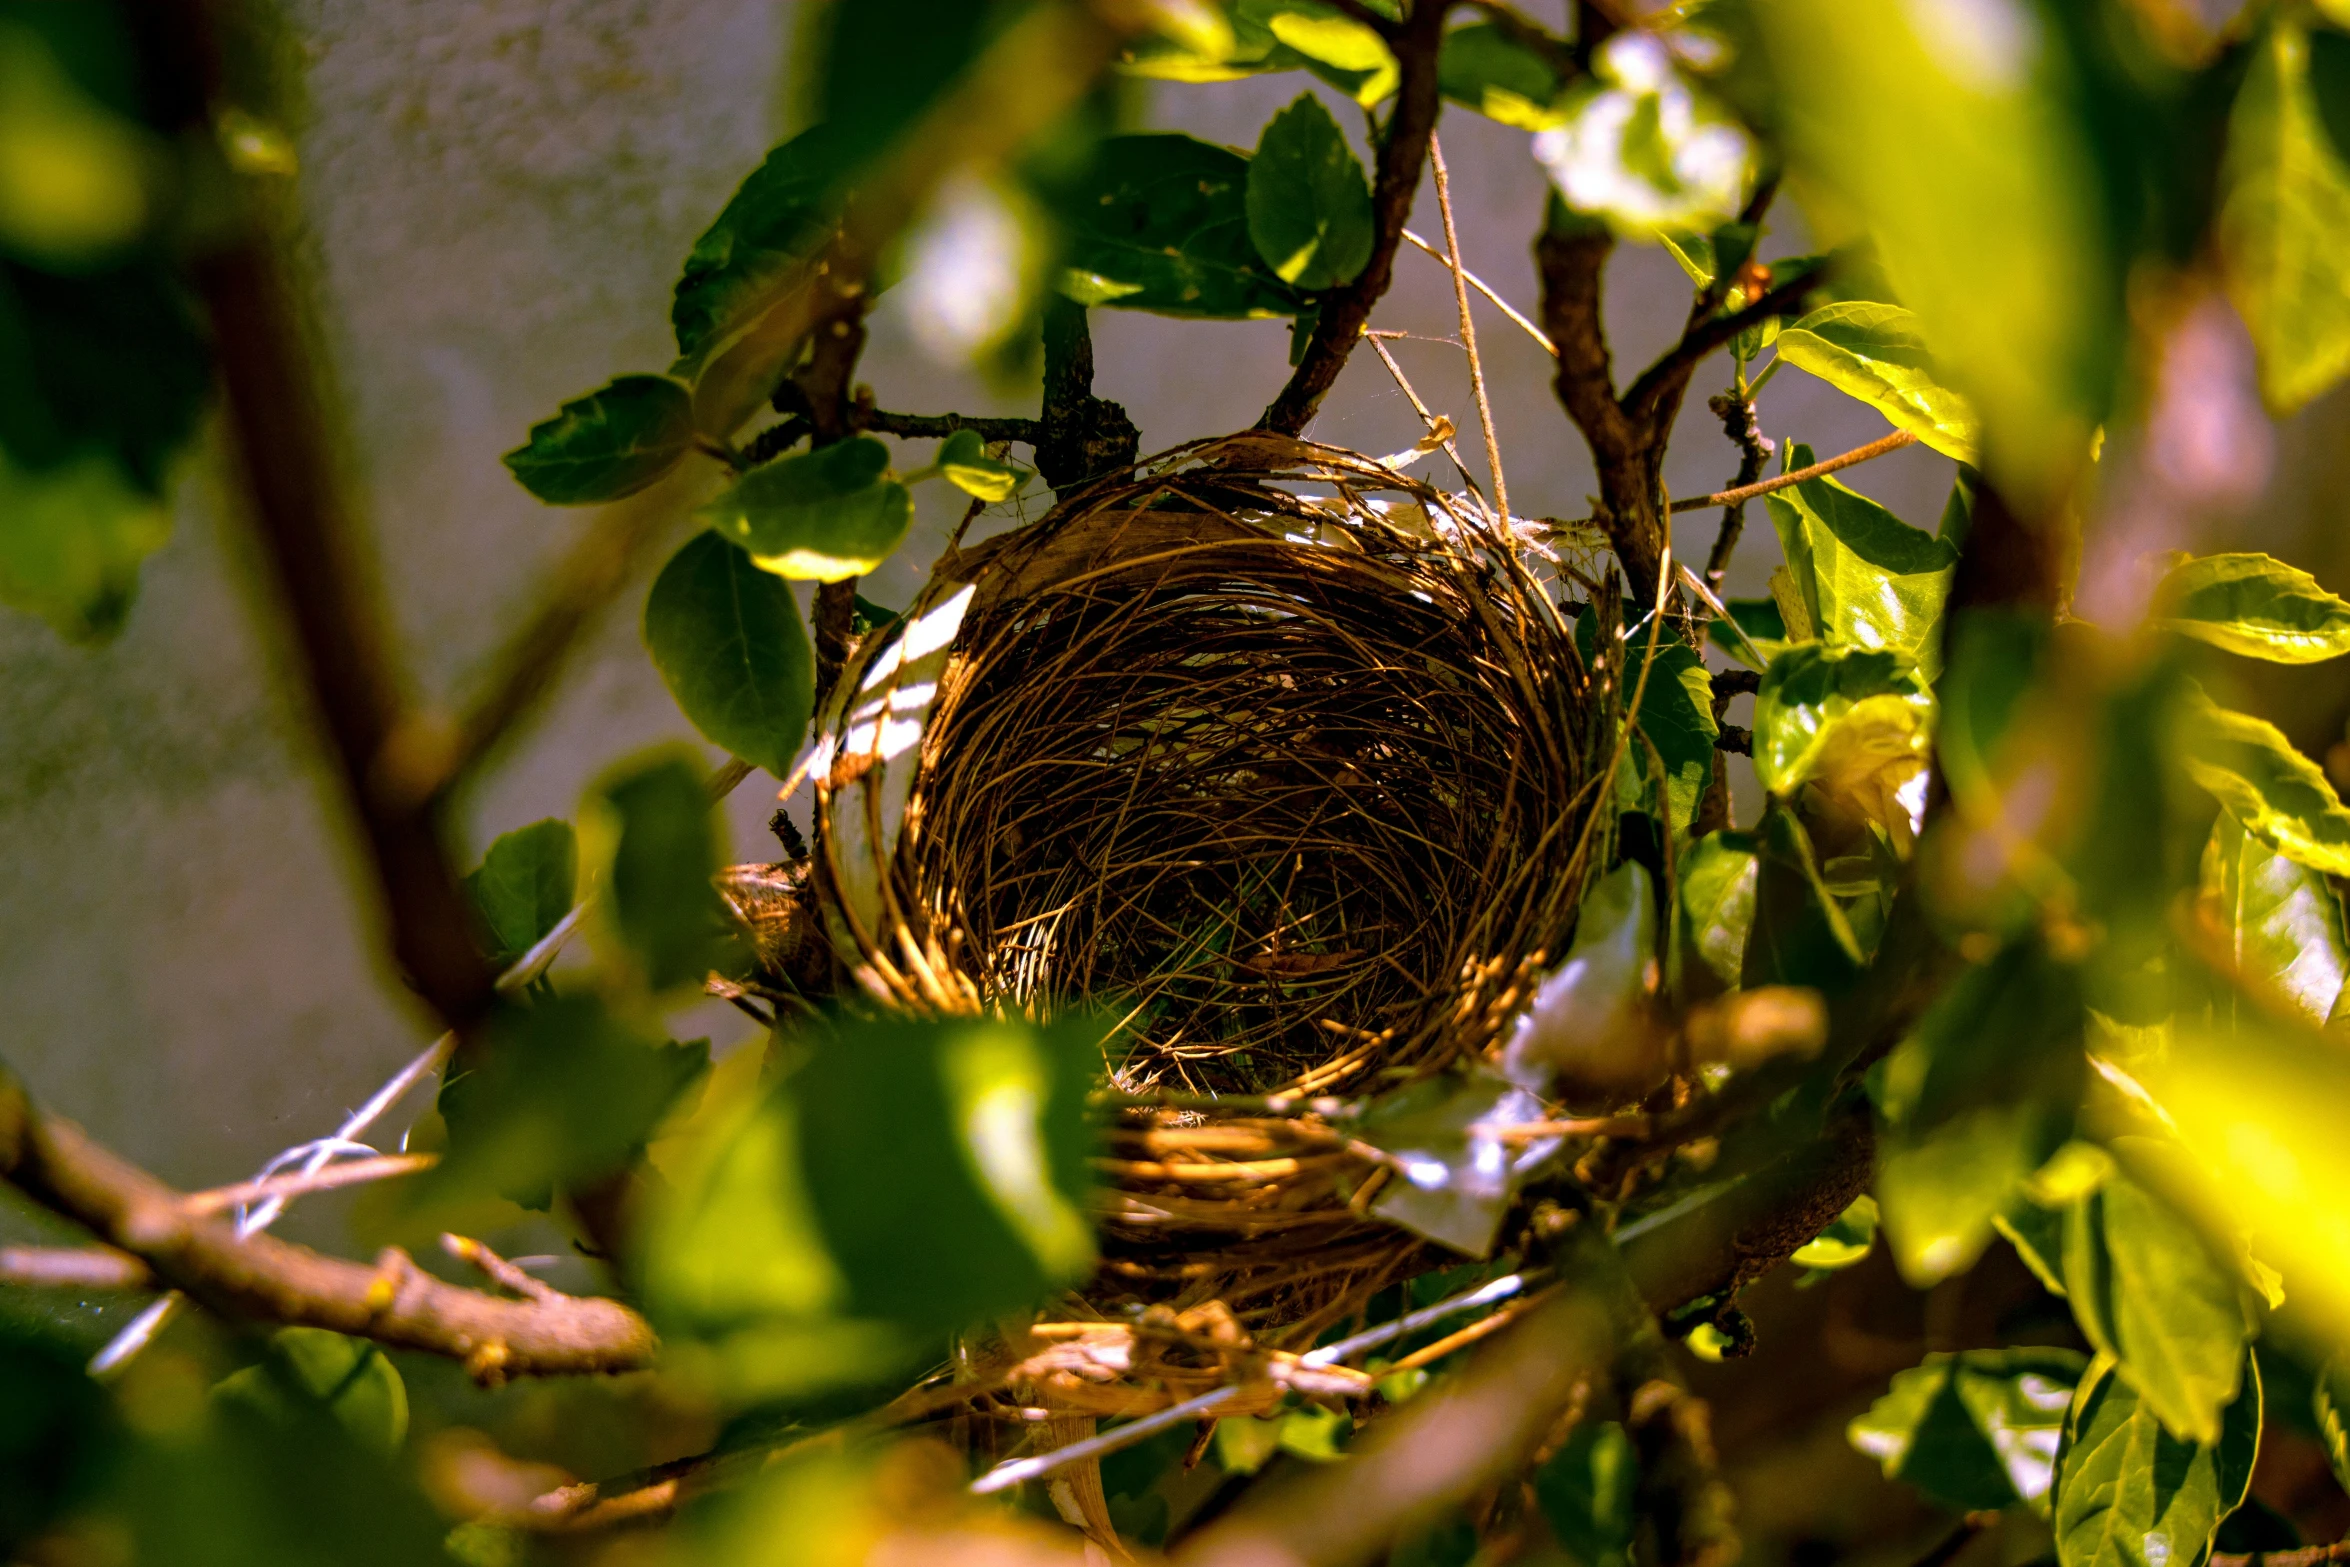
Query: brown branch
{"x":921,"y":427}
{"x":498,"y":1270}
{"x":1859,"y":454}
{"x":1754,"y":449}
{"x":1081,"y":436}
{"x":394,"y":1302}
{"x":74,"y":1267}
{"x":327,"y":1178}
{"x":1659,"y":387}
{"x":2307,"y":1556}
{"x":1460,"y":294}
{"x":1402,"y":151}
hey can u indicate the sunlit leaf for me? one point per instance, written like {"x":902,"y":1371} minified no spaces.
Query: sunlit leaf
{"x":2329,"y":1398}
{"x":1676,"y":717}
{"x":2255,"y":605}
{"x":2280,"y":921}
{"x":1718,"y":874}
{"x":2130,"y":1494}
{"x":1484,"y":67}
{"x":1640,"y":148}
{"x":1161,"y":223}
{"x":1976,"y":1431}
{"x":830,"y":514}
{"x":656,"y":834}
{"x":610,"y":443}
{"x":1308,"y":203}
{"x":1587,"y":1491}
{"x":728,"y":641}
{"x":1867,"y":578}
{"x":1754,"y":633}
{"x":908,"y":1179}
{"x":1848,"y":718}
{"x":1845,"y":1242}
{"x":2148,"y":1292}
{"x":563,"y":1092}
{"x":526,"y":884}
{"x":963,"y":458}
{"x":349,"y":1378}
{"x":2284,"y":220}
{"x":1340,"y":49}
{"x":73,"y":173}
{"x":2280,"y":796}
{"x":1874,"y":352}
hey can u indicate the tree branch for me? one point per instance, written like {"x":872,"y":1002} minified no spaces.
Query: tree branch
{"x":1402,"y":151}
{"x":1661,"y":384}
{"x":73,"y":1267}
{"x":393,"y":1303}
{"x":1754,"y":449}
{"x":937,"y":427}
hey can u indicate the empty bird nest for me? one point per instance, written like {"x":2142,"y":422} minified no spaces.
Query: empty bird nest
{"x":1273,"y":761}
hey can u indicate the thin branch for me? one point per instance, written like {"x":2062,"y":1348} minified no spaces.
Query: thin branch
{"x":1485,"y":288}
{"x":393,"y":1303}
{"x":1438,"y":425}
{"x":1460,"y":294}
{"x":938,"y":426}
{"x":1661,"y":381}
{"x":1754,"y":449}
{"x":1859,"y":454}
{"x":1404,"y":148}
{"x":2307,"y":1556}
{"x":73,"y":1267}
{"x":333,"y":1177}
{"x":498,"y":1270}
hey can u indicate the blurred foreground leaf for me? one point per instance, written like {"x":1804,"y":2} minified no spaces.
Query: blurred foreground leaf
{"x":311,"y":1368}
{"x":1587,"y":1492}
{"x":656,"y":832}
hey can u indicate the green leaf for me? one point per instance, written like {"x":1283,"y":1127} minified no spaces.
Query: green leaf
{"x":2130,"y":1494}
{"x":2255,"y":605}
{"x":780,"y":217}
{"x":659,"y":831}
{"x":963,"y":458}
{"x":1346,"y":53}
{"x":1308,"y":202}
{"x":526,"y":884}
{"x":111,"y":365}
{"x":908,"y":1179}
{"x":1845,"y":1242}
{"x":1867,"y":578}
{"x":2284,"y":220}
{"x":1161,"y":223}
{"x":1484,"y":67}
{"x":1875,"y":352}
{"x":2329,"y":1402}
{"x":2037,"y":1234}
{"x":72,"y":540}
{"x":2280,"y":796}
{"x":727,"y":639}
{"x":1841,"y":715}
{"x":1676,"y":717}
{"x":1973,"y":1100}
{"x":2149,"y":1294}
{"x":610,"y":443}
{"x":2280,"y":921}
{"x":563,"y":1092}
{"x":350,"y":1379}
{"x":1587,"y":1492}
{"x":1718,"y":874}
{"x":829,"y":514}
{"x":1976,"y":1431}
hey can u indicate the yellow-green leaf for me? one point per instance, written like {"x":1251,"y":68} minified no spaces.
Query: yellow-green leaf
{"x":2255,"y":605}
{"x":2279,"y":795}
{"x":1876,"y":353}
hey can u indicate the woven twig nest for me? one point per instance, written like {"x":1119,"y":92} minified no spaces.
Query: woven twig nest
{"x":1269,"y":757}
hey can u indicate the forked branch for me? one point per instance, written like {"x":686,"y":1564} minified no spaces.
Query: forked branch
{"x":393,"y":1302}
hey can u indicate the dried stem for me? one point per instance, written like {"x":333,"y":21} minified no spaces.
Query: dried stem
{"x":393,"y":1303}
{"x":73,"y":1267}
{"x":1402,"y":150}
{"x":1485,"y":288}
{"x":1460,"y":294}
{"x":1738,"y":422}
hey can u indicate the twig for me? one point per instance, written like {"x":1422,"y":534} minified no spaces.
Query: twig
{"x":1859,"y":454}
{"x":939,"y":426}
{"x":2307,"y":1556}
{"x":498,"y":1270}
{"x":1499,"y":303}
{"x":1754,"y":449}
{"x":1460,"y":294}
{"x":1438,"y":425}
{"x":1662,"y":381}
{"x":393,"y":1303}
{"x":1483,"y":1327}
{"x":332,"y":1177}
{"x":1346,"y":310}
{"x":73,"y":1267}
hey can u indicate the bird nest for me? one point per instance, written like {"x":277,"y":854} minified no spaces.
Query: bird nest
{"x":1272,"y":760}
